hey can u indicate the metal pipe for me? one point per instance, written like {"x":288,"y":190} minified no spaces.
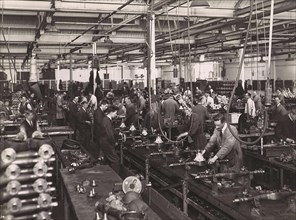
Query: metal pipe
{"x":270,"y":39}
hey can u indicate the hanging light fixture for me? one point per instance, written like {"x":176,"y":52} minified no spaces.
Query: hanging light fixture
{"x":199,"y":4}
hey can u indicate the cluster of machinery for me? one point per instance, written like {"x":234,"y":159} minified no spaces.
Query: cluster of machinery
{"x":26,"y":183}
{"x":185,"y":178}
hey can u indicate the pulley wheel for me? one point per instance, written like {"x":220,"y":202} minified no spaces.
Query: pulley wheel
{"x":131,"y":183}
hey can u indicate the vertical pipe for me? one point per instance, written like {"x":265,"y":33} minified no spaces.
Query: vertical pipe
{"x":151,"y":54}
{"x":94,"y":68}
{"x":270,"y":43}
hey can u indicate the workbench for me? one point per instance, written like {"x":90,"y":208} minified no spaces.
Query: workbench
{"x":79,"y":206}
{"x":277,"y":174}
{"x":212,"y":206}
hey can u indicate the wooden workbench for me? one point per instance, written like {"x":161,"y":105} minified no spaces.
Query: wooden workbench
{"x":80,"y":206}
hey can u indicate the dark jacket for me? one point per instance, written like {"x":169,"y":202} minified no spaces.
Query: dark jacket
{"x":201,"y":111}
{"x":29,"y":129}
{"x":73,"y":114}
{"x":83,"y":116}
{"x":286,"y":128}
{"x":131,"y":115}
{"x":196,"y":132}
{"x":98,"y":123}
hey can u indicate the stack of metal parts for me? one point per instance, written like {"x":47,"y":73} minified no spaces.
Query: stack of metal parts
{"x":26,"y":186}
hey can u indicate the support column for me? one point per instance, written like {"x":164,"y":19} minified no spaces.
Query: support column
{"x":151,"y":70}
{"x":94,"y":68}
{"x":242,"y":75}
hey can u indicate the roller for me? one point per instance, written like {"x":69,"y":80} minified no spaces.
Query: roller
{"x":22,"y":178}
{"x":8,"y":155}
{"x":13,"y":171}
{"x":28,"y":209}
{"x":26,"y":161}
{"x":24,"y":194}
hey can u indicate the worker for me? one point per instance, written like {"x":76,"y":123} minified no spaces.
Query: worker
{"x":169,"y":107}
{"x":153,"y":118}
{"x":108,"y":141}
{"x":200,"y":110}
{"x":286,"y":127}
{"x":84,"y":126}
{"x":278,"y":110}
{"x":226,"y":145}
{"x":29,"y":125}
{"x":195,"y":131}
{"x":98,"y":127}
{"x":209,"y":101}
{"x":7,"y":109}
{"x":250,"y":108}
{"x":73,"y":114}
{"x":131,"y":113}
{"x":258,"y":103}
{"x":24,"y":105}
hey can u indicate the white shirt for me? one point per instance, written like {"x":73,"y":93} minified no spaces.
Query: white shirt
{"x":209,"y":101}
{"x":93,"y":101}
{"x":250,"y":107}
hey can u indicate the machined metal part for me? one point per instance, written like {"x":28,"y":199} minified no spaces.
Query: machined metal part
{"x":14,"y":205}
{"x":22,"y":178}
{"x":228,"y":175}
{"x":12,"y":171}
{"x":44,"y":200}
{"x":40,"y":169}
{"x":8,"y":155}
{"x":40,"y":185}
{"x":26,"y":161}
{"x":45,"y":151}
{"x":43,"y":216}
{"x":267,"y":196}
{"x":13,"y":187}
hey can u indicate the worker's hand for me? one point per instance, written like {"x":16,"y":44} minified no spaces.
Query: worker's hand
{"x":88,"y":122}
{"x":213,"y":160}
{"x":289,"y":140}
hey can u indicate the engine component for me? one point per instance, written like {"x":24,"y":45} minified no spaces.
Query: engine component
{"x":131,"y":183}
{"x":130,"y":196}
{"x":13,"y":187}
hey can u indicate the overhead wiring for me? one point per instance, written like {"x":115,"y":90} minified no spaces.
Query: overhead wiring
{"x":236,"y":84}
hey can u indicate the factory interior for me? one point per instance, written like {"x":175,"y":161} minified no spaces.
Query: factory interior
{"x":148,"y":109}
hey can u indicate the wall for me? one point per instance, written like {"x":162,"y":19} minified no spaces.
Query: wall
{"x":280,"y":69}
